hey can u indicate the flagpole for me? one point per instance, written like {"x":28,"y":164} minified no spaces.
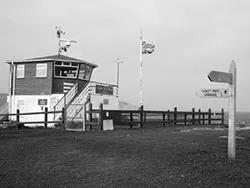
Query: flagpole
{"x":141,"y":69}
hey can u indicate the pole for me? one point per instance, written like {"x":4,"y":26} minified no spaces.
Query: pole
{"x":10,"y":86}
{"x":232,"y":114}
{"x":118,"y":61}
{"x":59,"y":46}
{"x":118,"y":72}
{"x":13,"y":89}
{"x":141,"y":102}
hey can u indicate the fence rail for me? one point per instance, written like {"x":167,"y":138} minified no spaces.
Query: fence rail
{"x":45,"y":113}
{"x":141,"y":117}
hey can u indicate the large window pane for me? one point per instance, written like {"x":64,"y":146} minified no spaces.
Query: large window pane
{"x":20,"y":71}
{"x":66,"y":71}
{"x":85,"y":72}
{"x":41,"y":70}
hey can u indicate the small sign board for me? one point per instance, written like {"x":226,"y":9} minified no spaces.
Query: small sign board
{"x":42,"y":102}
{"x":213,"y":93}
{"x":108,"y":125}
{"x":106,"y":90}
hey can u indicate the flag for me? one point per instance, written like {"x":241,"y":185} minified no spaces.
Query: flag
{"x":147,"y":48}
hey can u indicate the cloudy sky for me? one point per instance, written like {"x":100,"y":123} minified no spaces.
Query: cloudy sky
{"x":192,"y":37}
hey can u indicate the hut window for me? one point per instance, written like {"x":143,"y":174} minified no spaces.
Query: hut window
{"x":58,"y":63}
{"x":20,"y":71}
{"x":65,"y":63}
{"x":85,"y":72}
{"x":66,"y":70}
{"x":41,"y":70}
{"x":74,"y":64}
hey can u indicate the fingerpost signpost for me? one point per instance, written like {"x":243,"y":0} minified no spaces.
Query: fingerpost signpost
{"x":230,"y":78}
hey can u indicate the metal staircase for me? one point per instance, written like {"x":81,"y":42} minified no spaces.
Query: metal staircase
{"x":65,"y":100}
{"x":74,"y":110}
{"x":74,"y":100}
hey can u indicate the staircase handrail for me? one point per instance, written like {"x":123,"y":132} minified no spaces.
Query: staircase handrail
{"x":85,"y":91}
{"x":69,"y":95}
{"x":3,"y":107}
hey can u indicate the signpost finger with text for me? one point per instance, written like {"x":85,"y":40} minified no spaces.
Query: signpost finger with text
{"x":213,"y":93}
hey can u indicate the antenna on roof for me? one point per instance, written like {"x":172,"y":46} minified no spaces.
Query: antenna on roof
{"x":66,"y":43}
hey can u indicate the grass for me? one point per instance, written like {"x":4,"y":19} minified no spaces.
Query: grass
{"x":159,"y":157}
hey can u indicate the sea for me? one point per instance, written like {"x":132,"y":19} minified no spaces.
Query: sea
{"x":242,"y":118}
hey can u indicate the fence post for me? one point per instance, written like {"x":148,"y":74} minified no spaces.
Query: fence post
{"x":145,"y":117}
{"x":141,"y":116}
{"x":84,"y":117}
{"x":222,"y":116}
{"x":7,"y":116}
{"x":209,"y":116}
{"x":199,"y":115}
{"x":131,"y":120}
{"x":168,"y":118}
{"x":101,"y":116}
{"x":54,"y":114}
{"x":164,"y":119}
{"x":63,"y":118}
{"x":18,"y":115}
{"x":193,"y":116}
{"x":175,"y":115}
{"x":46,"y":118}
{"x":185,"y":118}
{"x":90,"y":116}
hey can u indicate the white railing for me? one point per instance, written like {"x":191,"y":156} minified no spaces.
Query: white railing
{"x":65,"y":100}
{"x":77,"y":104}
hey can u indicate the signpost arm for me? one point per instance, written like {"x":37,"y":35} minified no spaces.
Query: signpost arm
{"x":231,"y":114}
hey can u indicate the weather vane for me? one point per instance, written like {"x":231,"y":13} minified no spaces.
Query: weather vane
{"x":66,"y":43}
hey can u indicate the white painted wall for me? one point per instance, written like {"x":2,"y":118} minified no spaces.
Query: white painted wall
{"x":113,"y":102}
{"x":29,"y":103}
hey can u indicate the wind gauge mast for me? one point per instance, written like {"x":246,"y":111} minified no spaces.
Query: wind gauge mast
{"x":63,"y":44}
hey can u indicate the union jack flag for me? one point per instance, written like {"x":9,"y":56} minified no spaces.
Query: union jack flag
{"x":147,"y":48}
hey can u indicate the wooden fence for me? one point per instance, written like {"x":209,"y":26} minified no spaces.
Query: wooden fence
{"x":45,"y":122}
{"x":143,"y":117}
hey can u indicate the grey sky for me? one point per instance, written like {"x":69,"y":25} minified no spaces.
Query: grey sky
{"x":192,"y":37}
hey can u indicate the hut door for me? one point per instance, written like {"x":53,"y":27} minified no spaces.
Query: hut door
{"x":32,"y":107}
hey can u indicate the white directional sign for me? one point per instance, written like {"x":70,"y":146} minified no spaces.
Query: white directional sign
{"x":213,"y":93}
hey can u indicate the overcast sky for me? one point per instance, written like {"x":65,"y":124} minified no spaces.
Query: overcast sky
{"x":192,"y":37}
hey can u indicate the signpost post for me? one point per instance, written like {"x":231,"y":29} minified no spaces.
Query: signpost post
{"x":230,"y":78}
